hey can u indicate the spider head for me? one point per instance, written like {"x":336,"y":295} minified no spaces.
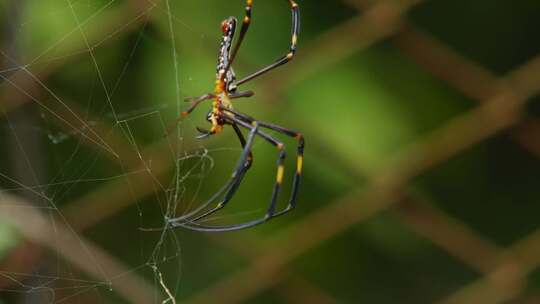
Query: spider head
{"x":228,"y":26}
{"x":224,"y":26}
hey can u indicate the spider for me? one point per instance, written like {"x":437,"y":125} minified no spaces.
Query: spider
{"x":223,"y":114}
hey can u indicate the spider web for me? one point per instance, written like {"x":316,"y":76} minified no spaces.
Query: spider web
{"x":75,"y":131}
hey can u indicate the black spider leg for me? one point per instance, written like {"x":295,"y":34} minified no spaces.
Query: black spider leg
{"x":231,"y":186}
{"x":246,"y":22}
{"x":270,"y":213}
{"x":295,"y":31}
{"x":234,"y":187}
{"x":196,"y":101}
{"x":204,"y":97}
{"x":299,"y":151}
{"x":237,"y":95}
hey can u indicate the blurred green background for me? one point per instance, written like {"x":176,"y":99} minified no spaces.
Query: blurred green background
{"x":422,"y":153}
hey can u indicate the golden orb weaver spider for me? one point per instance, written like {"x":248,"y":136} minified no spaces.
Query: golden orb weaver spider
{"x":222,"y":114}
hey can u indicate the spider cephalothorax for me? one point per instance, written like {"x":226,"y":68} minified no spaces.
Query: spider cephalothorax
{"x":222,"y":114}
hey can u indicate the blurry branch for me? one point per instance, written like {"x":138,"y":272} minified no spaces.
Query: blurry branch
{"x":291,"y":287}
{"x":24,"y":150}
{"x":87,"y":212}
{"x":448,"y":233}
{"x":463,"y":74}
{"x":441,"y":229}
{"x":60,"y":239}
{"x":127,"y":154}
{"x":297,"y":291}
{"x":476,"y":82}
{"x":530,"y":298}
{"x":113,"y":197}
{"x":308,"y":233}
{"x":22,"y":259}
{"x":468,"y":77}
{"x":527,"y":133}
{"x":505,"y":282}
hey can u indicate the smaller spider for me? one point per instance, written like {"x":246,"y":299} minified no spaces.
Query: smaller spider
{"x":222,"y":114}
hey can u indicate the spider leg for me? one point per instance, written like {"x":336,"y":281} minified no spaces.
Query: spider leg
{"x":292,"y":49}
{"x":196,"y":101}
{"x":234,"y":187}
{"x":299,"y":163}
{"x":270,"y":213}
{"x":243,"y":143}
{"x":241,"y":94}
{"x":299,"y":151}
{"x":243,"y":165}
{"x":204,"y":133}
{"x":246,"y":22}
{"x":200,"y":98}
{"x":206,"y":228}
